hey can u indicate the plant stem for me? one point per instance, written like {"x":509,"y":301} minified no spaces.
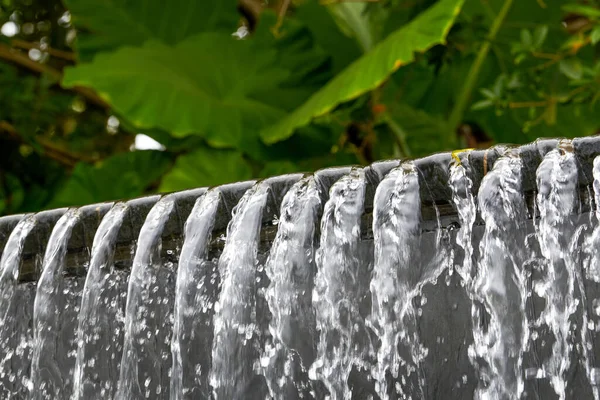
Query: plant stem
{"x":465,"y":96}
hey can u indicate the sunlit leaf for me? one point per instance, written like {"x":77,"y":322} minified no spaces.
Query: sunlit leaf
{"x":206,"y":167}
{"x":373,"y":68}
{"x":210,"y":84}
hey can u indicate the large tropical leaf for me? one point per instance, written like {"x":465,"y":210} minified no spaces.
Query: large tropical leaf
{"x":372,"y":69}
{"x":108,"y":24}
{"x":210,"y":84}
{"x":206,"y":167}
{"x":122,"y":176}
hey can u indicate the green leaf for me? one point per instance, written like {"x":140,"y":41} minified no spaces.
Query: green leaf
{"x":539,"y":36}
{"x":356,"y":20}
{"x":211,"y":85}
{"x":595,"y":35}
{"x":480,"y":105}
{"x":526,"y":39}
{"x":206,"y":167}
{"x":342,"y":49}
{"x":588,"y":11}
{"x":122,"y":176}
{"x":571,"y":68}
{"x":371,"y":70}
{"x":105,"y":25}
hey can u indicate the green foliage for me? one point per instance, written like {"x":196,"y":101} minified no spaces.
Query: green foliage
{"x":207,"y":165}
{"x":241,"y":90}
{"x":373,"y":68}
{"x":124,"y":175}
{"x":225,"y":100}
{"x":109,"y":25}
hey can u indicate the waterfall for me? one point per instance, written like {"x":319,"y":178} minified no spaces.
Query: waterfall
{"x":556,"y":199}
{"x":424,"y":279}
{"x":501,"y":283}
{"x":55,"y":317}
{"x":146,"y":359}
{"x":396,"y":231}
{"x":16,"y":311}
{"x":291,"y":271}
{"x":340,"y":285}
{"x":100,"y":320}
{"x":235,"y":358}
{"x":195,"y":294}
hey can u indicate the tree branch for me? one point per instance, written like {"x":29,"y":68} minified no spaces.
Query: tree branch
{"x":52,"y":151}
{"x":64,"y":55}
{"x":22,"y":60}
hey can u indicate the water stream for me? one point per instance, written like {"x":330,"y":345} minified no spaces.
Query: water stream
{"x":353,"y":288}
{"x":101,"y":315}
{"x":16,"y":313}
{"x":55,"y":312}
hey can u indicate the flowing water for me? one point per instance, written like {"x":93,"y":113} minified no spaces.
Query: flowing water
{"x":146,"y":359}
{"x":16,"y":313}
{"x":395,"y":282}
{"x":236,"y":343}
{"x":291,"y":270}
{"x":500,"y":283}
{"x":195,"y":293}
{"x":55,"y":314}
{"x":101,"y":315}
{"x":556,"y":200}
{"x":341,"y":284}
{"x":360,"y":288}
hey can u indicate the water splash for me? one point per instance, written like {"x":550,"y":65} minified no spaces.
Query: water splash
{"x":55,"y":312}
{"x":15,"y":313}
{"x":291,"y":269}
{"x":395,"y":282}
{"x":501,"y":283}
{"x":146,"y":358}
{"x":234,"y":352}
{"x":195,"y":293}
{"x":100,"y":320}
{"x":344,"y":341}
{"x":556,"y":200}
